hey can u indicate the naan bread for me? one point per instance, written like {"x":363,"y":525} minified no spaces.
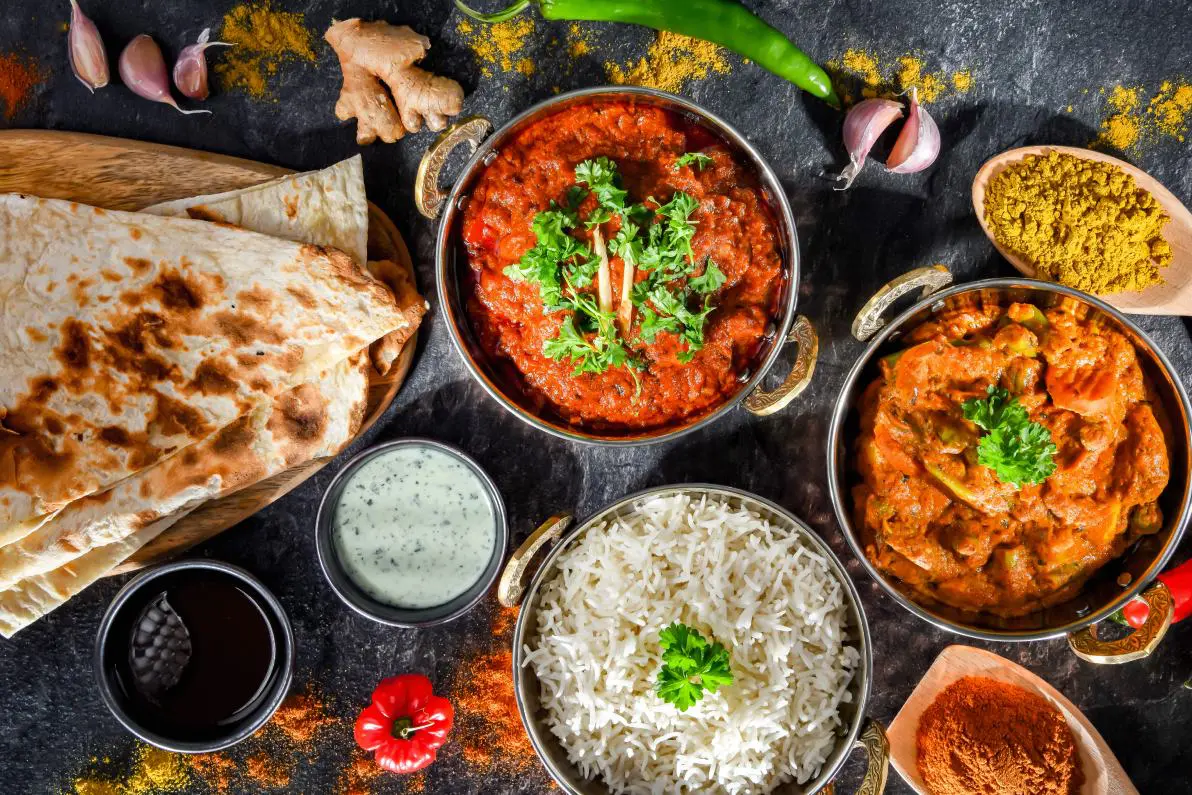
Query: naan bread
{"x":125,"y":337}
{"x":326,"y":207}
{"x":98,"y":532}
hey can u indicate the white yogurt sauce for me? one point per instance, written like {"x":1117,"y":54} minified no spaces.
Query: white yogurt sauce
{"x":414,"y":527}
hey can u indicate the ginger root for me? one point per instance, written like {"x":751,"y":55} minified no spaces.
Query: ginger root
{"x":372,"y":53}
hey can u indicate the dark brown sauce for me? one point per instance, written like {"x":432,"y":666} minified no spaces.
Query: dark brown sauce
{"x":223,"y":660}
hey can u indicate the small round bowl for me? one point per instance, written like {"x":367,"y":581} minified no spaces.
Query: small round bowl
{"x":118,"y":620}
{"x":354,"y":597}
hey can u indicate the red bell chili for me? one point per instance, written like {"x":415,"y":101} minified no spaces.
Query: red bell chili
{"x":1179,"y":582}
{"x":406,"y":724}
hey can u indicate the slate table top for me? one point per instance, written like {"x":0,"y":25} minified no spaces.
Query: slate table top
{"x":1037,"y":73}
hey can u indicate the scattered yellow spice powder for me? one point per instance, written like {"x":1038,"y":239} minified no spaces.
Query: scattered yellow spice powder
{"x":496,"y":45}
{"x":263,"y":38}
{"x":577,"y":42}
{"x":671,"y":61}
{"x":1132,"y":121}
{"x":872,"y":77}
{"x":1080,"y":222}
{"x":153,"y":771}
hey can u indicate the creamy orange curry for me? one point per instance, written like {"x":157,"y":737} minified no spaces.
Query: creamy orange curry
{"x":933,"y":517}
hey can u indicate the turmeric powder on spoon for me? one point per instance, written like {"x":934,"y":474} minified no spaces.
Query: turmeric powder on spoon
{"x":1082,"y":223}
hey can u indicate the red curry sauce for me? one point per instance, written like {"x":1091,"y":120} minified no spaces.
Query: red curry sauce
{"x":733,"y":226}
{"x":934,"y":518}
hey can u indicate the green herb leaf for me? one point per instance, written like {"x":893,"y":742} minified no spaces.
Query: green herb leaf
{"x":600,"y":175}
{"x":711,"y":280}
{"x":1017,"y":450}
{"x":697,"y":159}
{"x":690,"y":666}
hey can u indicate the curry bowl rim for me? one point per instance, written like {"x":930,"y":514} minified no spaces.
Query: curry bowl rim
{"x":445,"y":281}
{"x":838,"y":459}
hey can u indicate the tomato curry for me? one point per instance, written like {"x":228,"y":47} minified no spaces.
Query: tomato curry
{"x":734,"y":228}
{"x":933,"y":517}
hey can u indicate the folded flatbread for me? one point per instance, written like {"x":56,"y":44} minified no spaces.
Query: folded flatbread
{"x":125,"y":337}
{"x":326,"y":207}
{"x":96,"y":533}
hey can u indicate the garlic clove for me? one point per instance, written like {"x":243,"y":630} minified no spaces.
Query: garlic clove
{"x":88,"y":59}
{"x":190,"y":71}
{"x":918,"y":143}
{"x":143,"y":70}
{"x":864,"y":124}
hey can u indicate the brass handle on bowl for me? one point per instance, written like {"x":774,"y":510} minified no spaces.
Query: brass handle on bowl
{"x":512,"y":586}
{"x":764,"y":403}
{"x":428,"y":196}
{"x":877,"y":748}
{"x":869,"y":320}
{"x":1138,"y":644}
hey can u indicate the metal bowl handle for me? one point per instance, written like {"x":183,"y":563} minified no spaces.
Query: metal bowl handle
{"x":428,"y":196}
{"x":764,"y":403}
{"x":877,"y":748}
{"x":869,"y":320}
{"x":512,"y":586}
{"x":1138,"y":644}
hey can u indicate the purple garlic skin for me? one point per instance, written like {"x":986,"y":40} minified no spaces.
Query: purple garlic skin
{"x":143,"y":70}
{"x":190,"y":70}
{"x":88,"y":58}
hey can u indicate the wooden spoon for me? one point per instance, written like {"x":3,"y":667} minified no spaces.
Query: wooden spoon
{"x":1174,"y":296}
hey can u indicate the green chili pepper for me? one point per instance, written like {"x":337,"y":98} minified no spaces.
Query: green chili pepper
{"x":723,"y":22}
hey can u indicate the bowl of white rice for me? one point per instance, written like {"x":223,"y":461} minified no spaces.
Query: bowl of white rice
{"x":741,"y":572}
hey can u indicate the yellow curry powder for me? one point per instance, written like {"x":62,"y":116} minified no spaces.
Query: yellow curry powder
{"x":263,"y":38}
{"x":578,"y":44}
{"x":153,"y":771}
{"x":671,"y":61}
{"x":1080,"y":222}
{"x":497,"y":45}
{"x":871,"y":77}
{"x":1131,"y":120}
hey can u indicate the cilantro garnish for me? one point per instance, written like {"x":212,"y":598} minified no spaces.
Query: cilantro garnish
{"x":690,"y":666}
{"x":651,"y":237}
{"x":1017,"y":450}
{"x":698,"y":160}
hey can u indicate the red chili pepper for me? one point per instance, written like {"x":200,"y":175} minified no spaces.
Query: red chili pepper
{"x":405,"y":724}
{"x":1179,"y":582}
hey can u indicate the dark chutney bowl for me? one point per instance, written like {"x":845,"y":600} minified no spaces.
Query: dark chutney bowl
{"x":116,"y":691}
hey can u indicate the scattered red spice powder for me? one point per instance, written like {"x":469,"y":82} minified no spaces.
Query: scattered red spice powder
{"x":504,"y":621}
{"x":359,"y":775}
{"x":300,"y":717}
{"x":490,"y":731}
{"x":18,"y":77}
{"x":268,"y":772}
{"x":217,"y":770}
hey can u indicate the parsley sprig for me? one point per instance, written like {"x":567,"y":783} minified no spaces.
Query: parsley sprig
{"x":696,"y":159}
{"x":690,"y":665}
{"x":1017,"y":450}
{"x":674,"y":297}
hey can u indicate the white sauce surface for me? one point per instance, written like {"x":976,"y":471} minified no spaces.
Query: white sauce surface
{"x":414,"y":527}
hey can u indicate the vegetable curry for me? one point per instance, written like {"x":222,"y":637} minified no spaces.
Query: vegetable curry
{"x":1006,"y":455}
{"x":625,"y":268}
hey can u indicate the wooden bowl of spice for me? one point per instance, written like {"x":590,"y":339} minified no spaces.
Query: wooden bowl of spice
{"x":1089,"y":221}
{"x":978,"y":723}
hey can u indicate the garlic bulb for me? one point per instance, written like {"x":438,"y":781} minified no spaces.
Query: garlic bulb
{"x":88,"y":58}
{"x":918,"y":143}
{"x":864,"y":124}
{"x":190,"y":71}
{"x":143,"y":70}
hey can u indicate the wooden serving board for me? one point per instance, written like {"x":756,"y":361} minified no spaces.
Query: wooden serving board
{"x":120,"y":174}
{"x":1103,"y":774}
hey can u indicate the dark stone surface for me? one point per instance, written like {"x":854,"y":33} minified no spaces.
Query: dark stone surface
{"x":1029,"y":60}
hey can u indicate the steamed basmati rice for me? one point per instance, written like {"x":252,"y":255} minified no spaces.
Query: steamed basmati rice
{"x":756,"y":587}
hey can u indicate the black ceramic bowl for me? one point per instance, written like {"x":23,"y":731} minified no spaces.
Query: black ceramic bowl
{"x":354,"y":597}
{"x":112,"y":644}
